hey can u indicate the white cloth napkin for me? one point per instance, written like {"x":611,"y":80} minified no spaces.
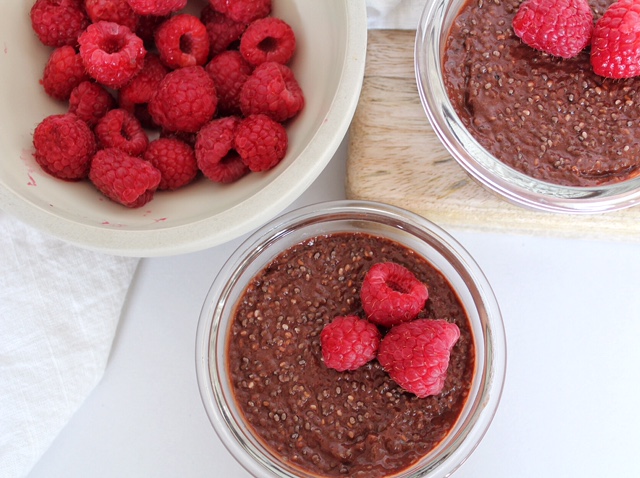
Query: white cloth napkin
{"x":59,"y":309}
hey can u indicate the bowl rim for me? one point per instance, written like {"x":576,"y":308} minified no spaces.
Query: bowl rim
{"x":242,"y":217}
{"x":489,"y":378}
{"x":512,"y":185}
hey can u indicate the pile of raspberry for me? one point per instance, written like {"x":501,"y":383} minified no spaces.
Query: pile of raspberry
{"x":414,"y":352}
{"x":158,"y":96}
{"x":564,"y":28}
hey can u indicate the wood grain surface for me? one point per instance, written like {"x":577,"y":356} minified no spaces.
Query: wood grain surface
{"x":395,"y":157}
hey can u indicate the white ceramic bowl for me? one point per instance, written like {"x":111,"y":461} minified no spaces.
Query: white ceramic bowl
{"x":329,"y":65}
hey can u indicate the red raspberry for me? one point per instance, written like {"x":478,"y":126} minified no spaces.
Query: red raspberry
{"x":215,"y":153}
{"x":156,"y":7}
{"x":112,"y":53}
{"x":223,"y":32}
{"x":261,"y":142}
{"x":416,"y":354}
{"x":63,"y":72}
{"x":120,"y":129}
{"x":135,"y":95}
{"x":185,"y":100}
{"x":559,"y":27}
{"x":615,"y":47}
{"x":349,"y":343}
{"x":268,"y":39}
{"x":182,"y":41}
{"x":117,"y":11}
{"x":58,"y":22}
{"x":229,"y":71}
{"x":272,"y":89}
{"x":175,"y":160}
{"x":391,"y":294}
{"x":64,"y":145}
{"x":90,"y":101}
{"x":243,"y":11}
{"x":122,"y":178}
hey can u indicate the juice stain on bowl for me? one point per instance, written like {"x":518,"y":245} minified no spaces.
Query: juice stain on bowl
{"x":330,"y":423}
{"x":550,"y":118}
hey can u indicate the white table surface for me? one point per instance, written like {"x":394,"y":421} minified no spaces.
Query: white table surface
{"x":570,"y":406}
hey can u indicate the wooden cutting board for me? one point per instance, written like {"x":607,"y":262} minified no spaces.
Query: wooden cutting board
{"x":395,"y":157}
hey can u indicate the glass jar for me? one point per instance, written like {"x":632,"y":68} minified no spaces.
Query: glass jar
{"x":408,"y":229}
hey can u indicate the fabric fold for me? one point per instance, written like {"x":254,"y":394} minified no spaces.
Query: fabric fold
{"x":59,"y":310}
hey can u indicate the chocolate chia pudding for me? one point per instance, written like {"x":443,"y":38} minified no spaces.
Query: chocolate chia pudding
{"x":329,"y":423}
{"x":550,"y":118}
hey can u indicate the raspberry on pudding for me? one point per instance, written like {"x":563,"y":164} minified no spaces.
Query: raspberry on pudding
{"x":391,"y":294}
{"x":349,"y":342}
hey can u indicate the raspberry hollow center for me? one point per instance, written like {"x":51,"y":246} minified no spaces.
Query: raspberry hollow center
{"x":268,"y":45}
{"x":229,"y":158}
{"x":113,"y":44}
{"x":396,"y":286}
{"x":186,"y":44}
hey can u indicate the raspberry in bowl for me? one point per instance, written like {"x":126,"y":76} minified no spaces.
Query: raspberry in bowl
{"x":530,"y":113}
{"x":88,"y":58}
{"x":300,"y":378}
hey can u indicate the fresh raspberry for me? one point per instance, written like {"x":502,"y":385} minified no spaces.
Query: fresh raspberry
{"x":175,"y":160}
{"x":272,"y":89}
{"x":63,"y":72}
{"x":120,"y":129}
{"x":135,"y":95}
{"x":615,"y":47}
{"x":122,"y":178}
{"x":156,"y":7}
{"x":268,"y":39}
{"x":182,"y":40}
{"x":215,"y":153}
{"x":112,"y":53}
{"x":58,"y":22}
{"x":559,"y":27}
{"x":261,"y":142}
{"x":243,"y":11}
{"x":64,"y":145}
{"x":416,"y":354}
{"x":391,"y":294}
{"x":229,"y":71}
{"x":185,"y":100}
{"x":223,"y":32}
{"x":90,"y":101}
{"x":117,"y":11}
{"x":349,"y":343}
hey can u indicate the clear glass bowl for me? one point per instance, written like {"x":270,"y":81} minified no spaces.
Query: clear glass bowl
{"x":404,"y":227}
{"x":432,"y":31}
